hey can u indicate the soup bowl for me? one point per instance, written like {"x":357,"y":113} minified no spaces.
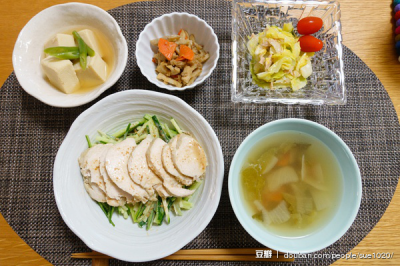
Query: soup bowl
{"x":348,"y":204}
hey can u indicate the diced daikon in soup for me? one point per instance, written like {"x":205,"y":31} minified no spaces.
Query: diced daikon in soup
{"x":292,"y":183}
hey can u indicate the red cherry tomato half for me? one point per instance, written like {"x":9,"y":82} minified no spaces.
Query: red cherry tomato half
{"x":309,"y":43}
{"x":309,"y":25}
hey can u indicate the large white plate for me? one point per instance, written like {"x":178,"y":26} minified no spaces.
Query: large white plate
{"x":126,"y":241}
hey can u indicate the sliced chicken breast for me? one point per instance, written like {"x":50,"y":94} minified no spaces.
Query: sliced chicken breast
{"x":162,"y":191}
{"x":169,"y":165}
{"x":117,"y":169}
{"x":94,"y":192}
{"x":114,"y":195}
{"x":139,"y":170}
{"x":189,"y":157}
{"x":92,"y":160}
{"x":153,"y":155}
{"x":87,"y":164}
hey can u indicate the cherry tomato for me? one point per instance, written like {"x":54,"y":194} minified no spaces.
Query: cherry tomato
{"x":309,"y":25}
{"x":309,"y":43}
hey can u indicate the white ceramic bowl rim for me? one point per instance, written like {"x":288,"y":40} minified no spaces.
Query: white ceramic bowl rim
{"x":301,"y":246}
{"x":197,"y":226}
{"x":112,"y":79}
{"x":198,"y":80}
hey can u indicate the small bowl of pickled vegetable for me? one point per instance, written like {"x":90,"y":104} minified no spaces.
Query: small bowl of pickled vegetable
{"x":295,"y":186}
{"x":287,"y":52}
{"x":177,"y":51}
{"x":73,"y":59}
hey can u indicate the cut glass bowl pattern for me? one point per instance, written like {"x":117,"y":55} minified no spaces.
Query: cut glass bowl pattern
{"x":325,"y":85}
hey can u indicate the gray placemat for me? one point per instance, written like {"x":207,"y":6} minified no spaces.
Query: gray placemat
{"x":31,"y":133}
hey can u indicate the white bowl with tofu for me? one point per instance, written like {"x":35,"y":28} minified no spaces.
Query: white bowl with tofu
{"x":170,"y":25}
{"x":63,"y":82}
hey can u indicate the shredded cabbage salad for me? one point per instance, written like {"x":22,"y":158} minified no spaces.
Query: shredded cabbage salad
{"x":277,"y":60}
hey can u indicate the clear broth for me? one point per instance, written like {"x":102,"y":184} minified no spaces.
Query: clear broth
{"x":316,"y":153}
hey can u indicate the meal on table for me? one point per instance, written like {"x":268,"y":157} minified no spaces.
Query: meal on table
{"x":179,"y":59}
{"x":77,"y":61}
{"x":292,"y":188}
{"x":144,"y":171}
{"x":280,"y":59}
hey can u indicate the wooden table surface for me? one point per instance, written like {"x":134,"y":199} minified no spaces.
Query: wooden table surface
{"x":367,"y":30}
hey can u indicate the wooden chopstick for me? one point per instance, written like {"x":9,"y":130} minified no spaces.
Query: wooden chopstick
{"x":235,"y":254}
{"x":90,"y":255}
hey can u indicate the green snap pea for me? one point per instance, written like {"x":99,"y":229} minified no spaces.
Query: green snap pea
{"x":90,"y":51}
{"x":83,"y":52}
{"x":63,"y":52}
{"x":84,"y":49}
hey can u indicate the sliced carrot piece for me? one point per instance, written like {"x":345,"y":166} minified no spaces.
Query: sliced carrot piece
{"x":284,"y":160}
{"x":154,"y":60}
{"x":268,"y":195}
{"x":270,"y":199}
{"x":186,"y":52}
{"x":276,"y":196}
{"x":180,"y":58}
{"x":166,"y":48}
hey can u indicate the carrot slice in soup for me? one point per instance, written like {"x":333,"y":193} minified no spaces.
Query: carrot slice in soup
{"x":284,"y":160}
{"x":166,"y":48}
{"x":186,"y":52}
{"x":276,"y":196}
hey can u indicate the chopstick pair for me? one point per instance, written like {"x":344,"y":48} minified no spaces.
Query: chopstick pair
{"x":236,"y":254}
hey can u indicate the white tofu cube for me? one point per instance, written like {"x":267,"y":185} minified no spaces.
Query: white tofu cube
{"x":61,"y":74}
{"x":90,"y":39}
{"x":95,"y":72}
{"x":61,"y":40}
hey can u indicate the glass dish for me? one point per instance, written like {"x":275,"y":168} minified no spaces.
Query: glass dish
{"x":325,"y":85}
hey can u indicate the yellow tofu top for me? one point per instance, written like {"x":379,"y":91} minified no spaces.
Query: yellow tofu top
{"x":90,"y":39}
{"x":61,"y":74}
{"x":94,"y":74}
{"x":61,"y":39}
